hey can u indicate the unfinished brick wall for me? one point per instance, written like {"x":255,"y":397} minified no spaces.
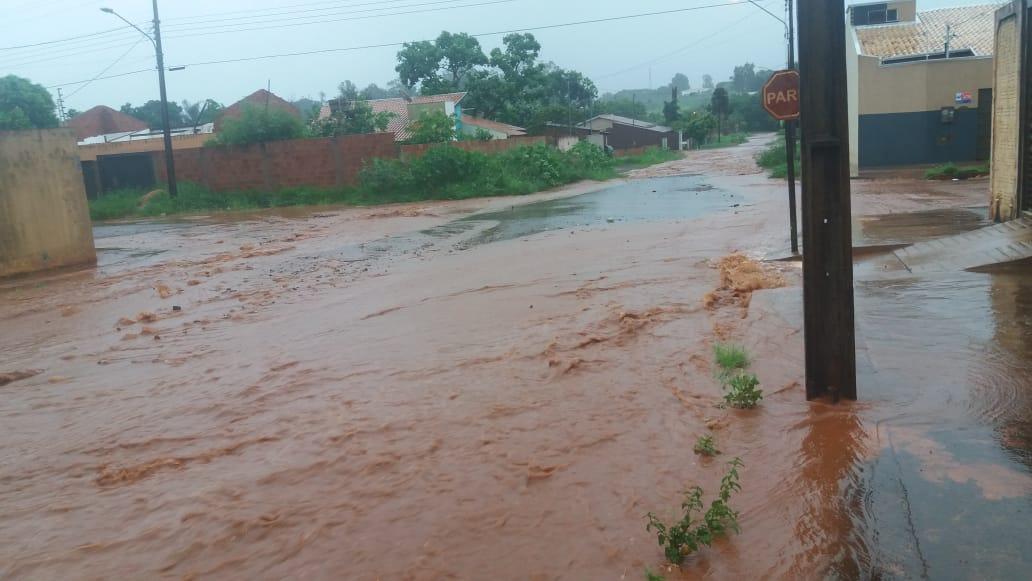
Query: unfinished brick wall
{"x":326,"y":163}
{"x":481,"y":146}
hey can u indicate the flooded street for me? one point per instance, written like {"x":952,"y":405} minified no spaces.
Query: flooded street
{"x":502,"y":388}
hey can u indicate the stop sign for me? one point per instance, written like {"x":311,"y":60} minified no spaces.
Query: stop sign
{"x":781,"y":95}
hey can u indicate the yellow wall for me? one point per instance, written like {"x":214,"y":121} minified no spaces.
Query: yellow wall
{"x":920,"y":86}
{"x":853,"y":99}
{"x":1003,"y":181}
{"x":44,"y":219}
{"x":90,"y":152}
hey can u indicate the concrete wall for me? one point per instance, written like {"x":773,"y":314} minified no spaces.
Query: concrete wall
{"x":898,"y":107}
{"x":922,"y":85}
{"x":1003,"y":181}
{"x":853,"y":99}
{"x":44,"y":219}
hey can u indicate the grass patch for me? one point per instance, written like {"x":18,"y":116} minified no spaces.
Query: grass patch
{"x":650,"y":156}
{"x":950,"y":171}
{"x":727,"y":141}
{"x":685,"y":536}
{"x":774,"y":159}
{"x":443,"y":173}
{"x":730,"y":357}
{"x":706,"y":446}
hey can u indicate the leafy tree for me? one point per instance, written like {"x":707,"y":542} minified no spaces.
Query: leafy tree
{"x":150,"y":113}
{"x":259,"y":125}
{"x":623,"y":107}
{"x":707,"y":82}
{"x":432,"y":127}
{"x":697,"y":126}
{"x":749,"y":115}
{"x":350,"y":114}
{"x":70,"y":113}
{"x":671,"y":110}
{"x":374,"y":91}
{"x":309,"y":108}
{"x":520,"y":55}
{"x":199,"y":113}
{"x":442,"y":65}
{"x":680,"y":81}
{"x":747,"y":78}
{"x":480,"y":134}
{"x":25,"y":105}
{"x":720,"y":106}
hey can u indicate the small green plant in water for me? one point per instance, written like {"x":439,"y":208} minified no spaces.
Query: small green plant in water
{"x":686,"y":536}
{"x":742,"y":391}
{"x":706,"y":446}
{"x":730,"y":357}
{"x":650,"y":576}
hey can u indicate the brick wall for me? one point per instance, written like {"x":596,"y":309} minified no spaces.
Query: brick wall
{"x":328,"y":162}
{"x":481,"y":146}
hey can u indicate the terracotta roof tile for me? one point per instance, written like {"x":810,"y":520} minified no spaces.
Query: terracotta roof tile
{"x":972,"y":25}
{"x":102,"y":120}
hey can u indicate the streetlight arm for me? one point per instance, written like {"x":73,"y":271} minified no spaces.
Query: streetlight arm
{"x":779,"y":19}
{"x":119,"y":16}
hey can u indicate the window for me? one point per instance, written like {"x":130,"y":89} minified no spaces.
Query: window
{"x":876,"y":17}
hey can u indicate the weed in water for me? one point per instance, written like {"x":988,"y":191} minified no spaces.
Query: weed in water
{"x":650,"y":576}
{"x":730,"y":357}
{"x":706,"y":446}
{"x":686,"y":536}
{"x":742,"y":391}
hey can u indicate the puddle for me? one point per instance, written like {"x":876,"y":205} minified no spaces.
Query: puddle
{"x":918,"y":226}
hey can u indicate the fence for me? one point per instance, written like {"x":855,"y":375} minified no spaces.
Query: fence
{"x":494,"y":146}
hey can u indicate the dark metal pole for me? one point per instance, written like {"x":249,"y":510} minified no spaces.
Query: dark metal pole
{"x":829,"y":331}
{"x":170,"y":164}
{"x":790,"y":139}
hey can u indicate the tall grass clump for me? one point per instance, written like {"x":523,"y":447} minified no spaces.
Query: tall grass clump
{"x":774,"y":159}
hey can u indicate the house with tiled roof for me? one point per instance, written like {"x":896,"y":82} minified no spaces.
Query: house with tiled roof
{"x":405,"y":110}
{"x":102,"y":120}
{"x":498,"y":130}
{"x":261,"y":99}
{"x":920,"y":83}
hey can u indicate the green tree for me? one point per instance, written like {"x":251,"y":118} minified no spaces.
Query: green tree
{"x":720,"y":107}
{"x":259,"y":125}
{"x":150,"y":113}
{"x":199,"y":113}
{"x":680,"y":81}
{"x":623,"y":107}
{"x":442,"y":65}
{"x":671,"y":110}
{"x":707,"y":82}
{"x":432,"y":127}
{"x":25,"y":105}
{"x":697,"y":126}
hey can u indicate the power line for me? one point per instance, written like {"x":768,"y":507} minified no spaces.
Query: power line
{"x":396,"y":44}
{"x":336,"y":6}
{"x":281,"y":7}
{"x":350,"y":18}
{"x":61,"y":40}
{"x":106,"y":69}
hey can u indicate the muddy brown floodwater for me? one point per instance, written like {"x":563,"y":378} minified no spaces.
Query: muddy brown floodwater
{"x":415,"y":392}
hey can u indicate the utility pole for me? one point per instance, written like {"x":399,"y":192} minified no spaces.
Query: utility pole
{"x":170,"y":165}
{"x":60,"y":106}
{"x":790,"y":140}
{"x":949,"y":37}
{"x":829,"y":331}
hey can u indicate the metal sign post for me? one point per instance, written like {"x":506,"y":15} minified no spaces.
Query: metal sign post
{"x":781,"y":100}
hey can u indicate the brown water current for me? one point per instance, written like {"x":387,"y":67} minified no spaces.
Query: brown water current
{"x":421,"y":392}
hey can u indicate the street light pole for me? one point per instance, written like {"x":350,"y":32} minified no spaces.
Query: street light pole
{"x":170,"y":165}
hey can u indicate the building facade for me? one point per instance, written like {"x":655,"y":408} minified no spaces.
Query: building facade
{"x":920,"y":84}
{"x":627,"y":133}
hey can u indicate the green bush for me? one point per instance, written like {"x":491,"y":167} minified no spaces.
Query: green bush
{"x":742,"y":391}
{"x":684,"y":537}
{"x":774,"y":159}
{"x":949,"y":171}
{"x":444,"y":164}
{"x":259,"y":125}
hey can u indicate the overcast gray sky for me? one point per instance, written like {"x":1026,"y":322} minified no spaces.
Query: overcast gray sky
{"x":616,"y":55}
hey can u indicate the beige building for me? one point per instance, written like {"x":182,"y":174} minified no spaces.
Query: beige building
{"x":1009,"y":181}
{"x":920,"y":84}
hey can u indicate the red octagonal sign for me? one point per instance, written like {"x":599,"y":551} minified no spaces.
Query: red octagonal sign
{"x":781,"y":95}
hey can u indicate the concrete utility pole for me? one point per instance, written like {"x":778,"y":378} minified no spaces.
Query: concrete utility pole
{"x":60,"y":106}
{"x":828,"y":260}
{"x":170,"y":165}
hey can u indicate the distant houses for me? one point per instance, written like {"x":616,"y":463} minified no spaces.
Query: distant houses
{"x":260,"y":99}
{"x":103,"y":120}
